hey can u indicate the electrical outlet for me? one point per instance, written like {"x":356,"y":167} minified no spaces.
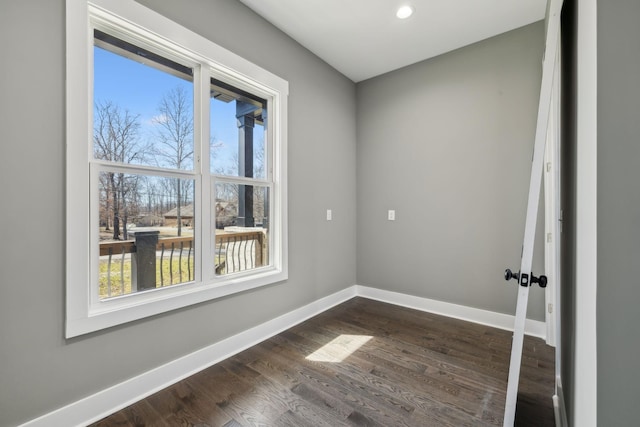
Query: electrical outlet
{"x":329,"y":215}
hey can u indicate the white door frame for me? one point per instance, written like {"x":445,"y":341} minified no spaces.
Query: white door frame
{"x":585,"y":362}
{"x":553,"y":213}
{"x":525,"y":277}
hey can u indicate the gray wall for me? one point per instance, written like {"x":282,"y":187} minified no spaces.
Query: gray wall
{"x":447,"y":143}
{"x":618,"y":315}
{"x":40,"y":370}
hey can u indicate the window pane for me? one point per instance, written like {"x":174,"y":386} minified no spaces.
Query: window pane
{"x":146,"y":228}
{"x":242,"y":227}
{"x":237,"y":132}
{"x":143,"y":106}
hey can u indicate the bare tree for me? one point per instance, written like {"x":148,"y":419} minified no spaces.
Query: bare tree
{"x":175,"y":138}
{"x":115,"y":138}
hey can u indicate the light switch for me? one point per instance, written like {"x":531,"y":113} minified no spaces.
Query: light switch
{"x":329,"y":215}
{"x":391,"y":215}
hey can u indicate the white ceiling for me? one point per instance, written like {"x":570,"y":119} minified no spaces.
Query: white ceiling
{"x":363,"y":38}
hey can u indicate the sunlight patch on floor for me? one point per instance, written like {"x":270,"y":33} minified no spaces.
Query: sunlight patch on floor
{"x":339,"y":348}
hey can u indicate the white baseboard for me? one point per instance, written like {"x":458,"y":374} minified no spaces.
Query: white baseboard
{"x":559,"y":406}
{"x":497,"y":320}
{"x":99,"y":405}
{"x":110,"y":400}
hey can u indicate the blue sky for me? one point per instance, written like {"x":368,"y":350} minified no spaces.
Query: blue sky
{"x":139,"y":88}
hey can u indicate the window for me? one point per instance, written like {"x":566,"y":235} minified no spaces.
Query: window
{"x":184,"y":147}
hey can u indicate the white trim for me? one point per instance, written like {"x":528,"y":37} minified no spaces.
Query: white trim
{"x":585,"y":402}
{"x":534,"y":328}
{"x":85,"y":313}
{"x":103,"y":403}
{"x":77,"y":167}
{"x":552,"y":221}
{"x":559,"y":406}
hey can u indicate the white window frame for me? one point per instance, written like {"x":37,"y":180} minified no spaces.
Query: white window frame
{"x":84,"y":312}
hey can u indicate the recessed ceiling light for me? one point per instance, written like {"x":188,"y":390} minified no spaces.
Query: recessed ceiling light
{"x":404,"y":12}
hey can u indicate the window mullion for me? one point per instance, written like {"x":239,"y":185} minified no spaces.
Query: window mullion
{"x":241,"y":180}
{"x":94,"y":244}
{"x":145,"y":170}
{"x":202,"y":147}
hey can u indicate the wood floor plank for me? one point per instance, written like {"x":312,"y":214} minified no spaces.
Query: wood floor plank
{"x":118,"y":419}
{"x":349,"y":376}
{"x":361,"y":363}
{"x":182,"y":405}
{"x":139,"y":414}
{"x":405,"y":361}
{"x":371,"y":403}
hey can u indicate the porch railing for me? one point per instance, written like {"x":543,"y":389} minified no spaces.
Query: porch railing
{"x":148,"y":261}
{"x":238,"y":250}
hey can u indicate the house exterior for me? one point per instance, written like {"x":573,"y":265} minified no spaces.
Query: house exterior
{"x":148,"y":220}
{"x":186,"y":216}
{"x":455,"y":234}
{"x":226,"y":214}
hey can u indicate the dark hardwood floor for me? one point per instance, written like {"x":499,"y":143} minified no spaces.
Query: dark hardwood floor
{"x":362,"y":363}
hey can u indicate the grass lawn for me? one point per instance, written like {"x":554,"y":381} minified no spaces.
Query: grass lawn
{"x":167,"y":274}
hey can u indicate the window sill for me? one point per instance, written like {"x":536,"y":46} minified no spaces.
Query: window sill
{"x":119,"y":310}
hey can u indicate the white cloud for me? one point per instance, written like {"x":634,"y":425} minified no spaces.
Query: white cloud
{"x":160,"y":118}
